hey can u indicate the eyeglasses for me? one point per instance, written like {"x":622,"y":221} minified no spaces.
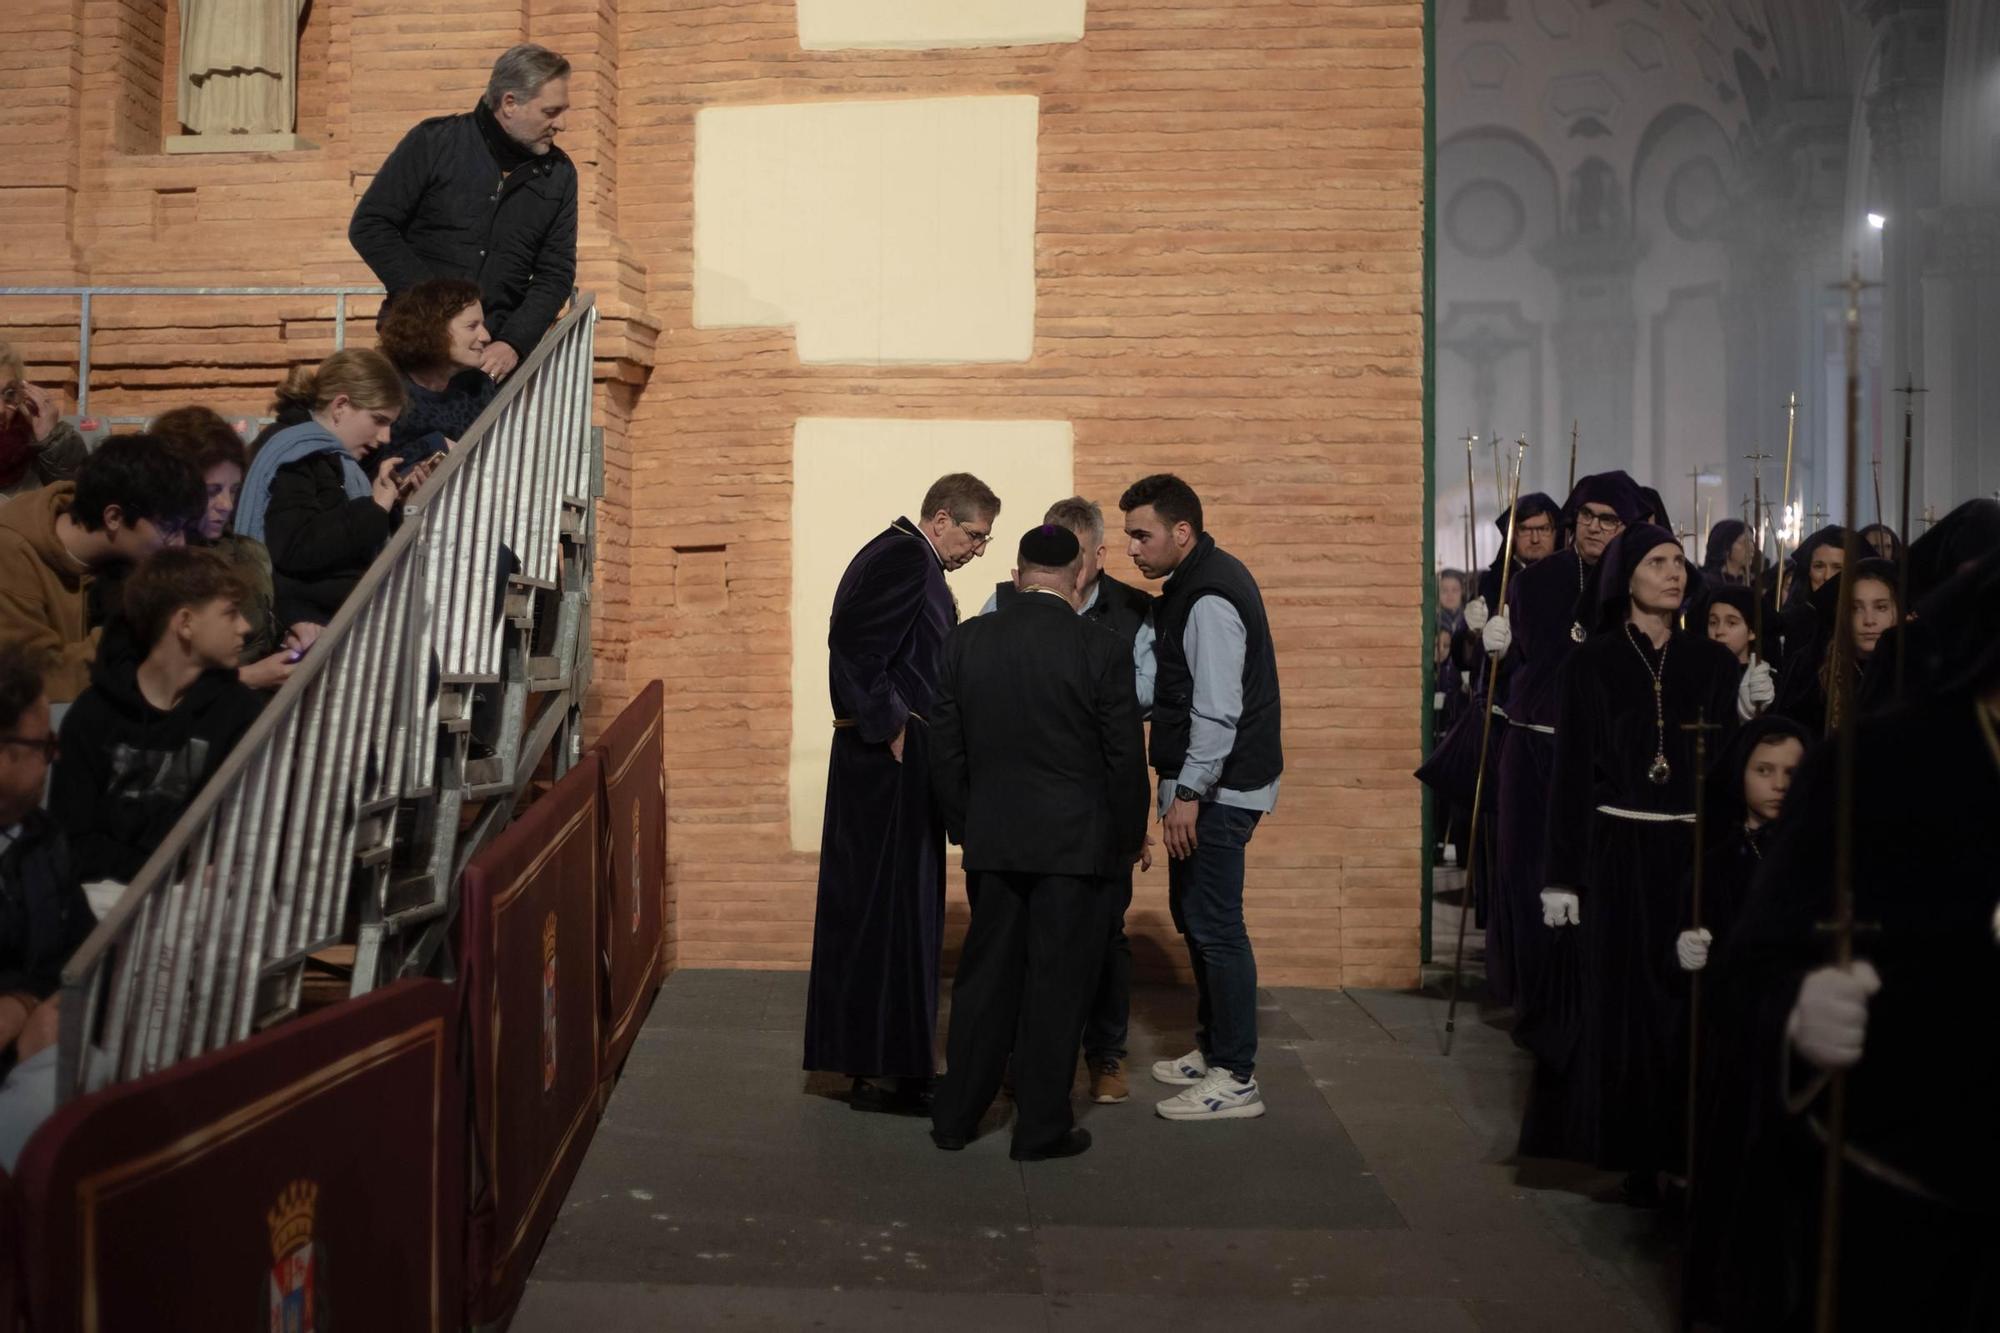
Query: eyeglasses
{"x":979,"y":539}
{"x":46,"y":744}
{"x":1599,"y":522}
{"x":1535,"y":529}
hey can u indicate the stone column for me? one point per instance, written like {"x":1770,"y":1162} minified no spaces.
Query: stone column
{"x":1905,"y":115}
{"x":1596,"y":336}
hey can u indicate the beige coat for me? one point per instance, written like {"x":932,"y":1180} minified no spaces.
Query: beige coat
{"x":44,"y":590}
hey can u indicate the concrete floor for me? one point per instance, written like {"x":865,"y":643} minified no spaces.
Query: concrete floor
{"x":725,"y":1189}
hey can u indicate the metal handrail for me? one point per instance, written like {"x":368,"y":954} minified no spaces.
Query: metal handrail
{"x":85,"y":295}
{"x":358,"y":759}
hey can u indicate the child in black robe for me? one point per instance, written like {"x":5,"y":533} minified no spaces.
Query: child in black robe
{"x":1746,"y":791}
{"x":1920,"y":1207}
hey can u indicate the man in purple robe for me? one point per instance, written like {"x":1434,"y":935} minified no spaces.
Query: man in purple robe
{"x":871,"y":1008}
{"x":1550,"y":605}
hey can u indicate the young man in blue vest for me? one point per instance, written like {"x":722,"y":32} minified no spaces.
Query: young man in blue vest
{"x":1216,"y":748}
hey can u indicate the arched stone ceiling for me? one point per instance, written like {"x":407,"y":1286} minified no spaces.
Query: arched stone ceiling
{"x":1587,"y":79}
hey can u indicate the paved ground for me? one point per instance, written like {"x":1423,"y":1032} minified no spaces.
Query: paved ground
{"x":727,"y":1190}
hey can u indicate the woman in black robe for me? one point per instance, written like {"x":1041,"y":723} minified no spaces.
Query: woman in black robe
{"x":1727,"y":559}
{"x":1817,"y":559}
{"x":1920,"y":1211}
{"x":1620,"y":839}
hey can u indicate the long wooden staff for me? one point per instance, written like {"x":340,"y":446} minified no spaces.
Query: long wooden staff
{"x":1574,"y":422}
{"x":1756,"y":462}
{"x":1840,"y":710}
{"x":1485,"y":742}
{"x":1909,"y":392}
{"x":1701,"y":726}
{"x":1785,"y":497}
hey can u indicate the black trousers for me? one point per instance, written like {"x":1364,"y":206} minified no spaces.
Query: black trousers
{"x":1110,"y":1011}
{"x":1025,"y":977}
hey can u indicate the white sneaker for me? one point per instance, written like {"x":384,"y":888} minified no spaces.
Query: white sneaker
{"x":1217,"y":1097}
{"x":1189,"y":1069}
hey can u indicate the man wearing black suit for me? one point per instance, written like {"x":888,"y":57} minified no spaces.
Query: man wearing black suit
{"x":1039,"y":770}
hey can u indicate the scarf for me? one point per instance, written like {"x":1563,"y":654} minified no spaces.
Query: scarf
{"x":290,"y":445}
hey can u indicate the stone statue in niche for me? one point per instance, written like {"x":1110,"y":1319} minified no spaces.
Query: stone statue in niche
{"x":239,"y":66}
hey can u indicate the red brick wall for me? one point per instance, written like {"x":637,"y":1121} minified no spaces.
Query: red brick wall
{"x":1229,"y":271}
{"x":1229,"y":268}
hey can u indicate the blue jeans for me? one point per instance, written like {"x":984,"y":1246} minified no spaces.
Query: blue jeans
{"x":1205,"y":893}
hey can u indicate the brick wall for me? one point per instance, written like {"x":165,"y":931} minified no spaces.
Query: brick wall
{"x":1229,"y":285}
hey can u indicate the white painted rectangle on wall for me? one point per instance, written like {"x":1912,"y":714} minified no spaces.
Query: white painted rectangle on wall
{"x":890,"y":232}
{"x":851,"y":478}
{"x":835,"y":25}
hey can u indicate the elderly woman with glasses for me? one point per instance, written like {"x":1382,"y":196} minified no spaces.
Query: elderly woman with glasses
{"x":36,"y":446}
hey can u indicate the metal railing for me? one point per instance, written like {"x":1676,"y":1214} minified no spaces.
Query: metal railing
{"x":86,"y":296}
{"x":345,"y":803}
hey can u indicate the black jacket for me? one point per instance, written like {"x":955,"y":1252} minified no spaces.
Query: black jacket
{"x":127,"y":769}
{"x":43,"y":914}
{"x":1037,"y":757}
{"x":439,"y":208}
{"x":321,"y":541}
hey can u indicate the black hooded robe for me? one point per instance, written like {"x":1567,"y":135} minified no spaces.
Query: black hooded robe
{"x":1925,"y":1098}
{"x":1542,"y":604}
{"x":1613,"y":1104}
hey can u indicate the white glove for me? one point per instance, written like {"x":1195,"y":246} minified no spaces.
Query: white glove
{"x":1498,"y":636}
{"x":1831,"y":1017}
{"x":1476,"y":614}
{"x":1692,"y":949}
{"x":1756,"y":691}
{"x":1559,"y":908}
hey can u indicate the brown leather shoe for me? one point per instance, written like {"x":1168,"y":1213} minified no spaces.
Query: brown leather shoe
{"x":1107,"y":1083}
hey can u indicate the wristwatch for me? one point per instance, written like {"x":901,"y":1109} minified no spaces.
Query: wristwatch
{"x":1182,"y":793}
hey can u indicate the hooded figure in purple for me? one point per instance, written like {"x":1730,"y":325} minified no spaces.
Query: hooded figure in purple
{"x":1550,"y":605}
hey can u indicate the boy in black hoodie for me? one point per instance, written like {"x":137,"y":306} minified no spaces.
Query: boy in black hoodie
{"x":163,"y":709}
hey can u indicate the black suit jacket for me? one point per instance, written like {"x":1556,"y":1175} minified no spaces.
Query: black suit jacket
{"x":1036,"y":753}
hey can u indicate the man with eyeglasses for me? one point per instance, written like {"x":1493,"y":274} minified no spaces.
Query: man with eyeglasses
{"x":1548,"y":606}
{"x":878,"y":929}
{"x":1536,"y":536}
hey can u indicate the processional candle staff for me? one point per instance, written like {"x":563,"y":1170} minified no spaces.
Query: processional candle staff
{"x":1485,"y":744}
{"x":1840,"y":706}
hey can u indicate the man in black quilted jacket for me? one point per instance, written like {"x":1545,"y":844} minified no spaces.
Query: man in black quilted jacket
{"x":486,"y":196}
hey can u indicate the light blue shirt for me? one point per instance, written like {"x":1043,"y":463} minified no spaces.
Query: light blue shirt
{"x":1214,"y":642}
{"x":1145,"y":669}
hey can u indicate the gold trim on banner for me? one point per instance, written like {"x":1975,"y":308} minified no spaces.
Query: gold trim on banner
{"x":107,"y":1184}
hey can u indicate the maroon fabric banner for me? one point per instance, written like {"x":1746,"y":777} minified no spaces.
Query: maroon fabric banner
{"x":532,"y":989}
{"x":311,"y":1177}
{"x":633,"y":913}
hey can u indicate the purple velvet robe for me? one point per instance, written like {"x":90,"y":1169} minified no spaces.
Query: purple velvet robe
{"x":1542,"y":605}
{"x":871,"y":1007}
